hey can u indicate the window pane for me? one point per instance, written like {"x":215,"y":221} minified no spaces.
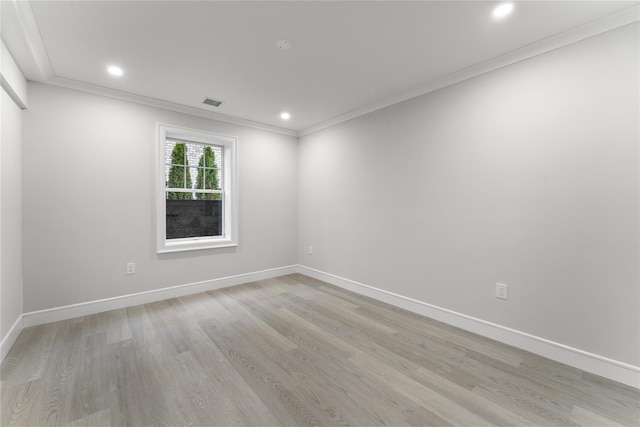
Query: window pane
{"x":193,"y":176}
{"x":212,"y":179}
{"x":207,"y":179}
{"x":196,"y":211}
{"x":169,"y":146}
{"x":178,"y":177}
{"x":199,"y":183}
{"x":220,"y":176}
{"x":219,"y":162}
{"x":193,"y":218}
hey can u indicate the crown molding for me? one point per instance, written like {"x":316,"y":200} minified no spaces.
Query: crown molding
{"x":576,"y":34}
{"x":166,"y":105}
{"x":24,"y":30}
{"x":41,"y":71}
{"x":37,"y":67}
{"x":11,"y":79}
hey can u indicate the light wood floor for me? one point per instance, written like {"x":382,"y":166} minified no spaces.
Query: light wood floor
{"x":290,"y":351}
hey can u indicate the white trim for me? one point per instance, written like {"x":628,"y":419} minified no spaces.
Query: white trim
{"x":92,"y":307}
{"x":165,"y":105}
{"x":589,"y":362}
{"x":41,"y":69}
{"x":31,"y":36}
{"x":229,"y":145}
{"x":10,"y":338}
{"x":11,"y":78}
{"x":4,"y":84}
{"x":611,"y":22}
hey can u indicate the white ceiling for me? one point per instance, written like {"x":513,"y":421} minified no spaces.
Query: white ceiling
{"x":346,"y":57}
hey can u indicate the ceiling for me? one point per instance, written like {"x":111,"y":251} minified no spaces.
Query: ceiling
{"x":346,"y":58}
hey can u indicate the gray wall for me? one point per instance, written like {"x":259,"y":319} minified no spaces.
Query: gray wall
{"x":10,"y":214}
{"x":527,"y":175}
{"x":88,"y":200}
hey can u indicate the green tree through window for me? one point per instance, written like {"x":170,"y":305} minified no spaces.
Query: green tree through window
{"x":179,"y":176}
{"x":207,"y":172}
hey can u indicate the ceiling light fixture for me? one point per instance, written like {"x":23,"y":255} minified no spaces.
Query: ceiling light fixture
{"x":285,"y":116}
{"x":502,"y":10}
{"x":115,"y":71}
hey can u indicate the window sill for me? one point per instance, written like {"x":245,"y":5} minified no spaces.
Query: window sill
{"x":195,"y":244}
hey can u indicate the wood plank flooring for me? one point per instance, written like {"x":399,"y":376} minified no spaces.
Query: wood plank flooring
{"x":290,"y":351}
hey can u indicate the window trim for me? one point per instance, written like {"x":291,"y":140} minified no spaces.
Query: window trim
{"x":230,"y":206}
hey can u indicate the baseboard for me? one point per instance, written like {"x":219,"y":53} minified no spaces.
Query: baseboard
{"x":589,"y":362}
{"x":92,"y":307}
{"x":10,"y":337}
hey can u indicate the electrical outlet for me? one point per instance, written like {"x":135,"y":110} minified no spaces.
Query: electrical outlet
{"x":310,"y":250}
{"x":131,"y":268}
{"x":501,"y":291}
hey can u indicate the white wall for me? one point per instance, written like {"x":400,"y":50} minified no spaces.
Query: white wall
{"x":88,"y":200}
{"x":10,"y":199}
{"x":527,"y":176}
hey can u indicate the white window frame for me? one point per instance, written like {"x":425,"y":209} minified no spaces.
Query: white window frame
{"x":230,"y":203}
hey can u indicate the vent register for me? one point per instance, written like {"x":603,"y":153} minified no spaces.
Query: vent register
{"x":212,"y":102}
{"x":280,"y":44}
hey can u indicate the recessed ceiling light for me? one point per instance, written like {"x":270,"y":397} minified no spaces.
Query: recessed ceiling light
{"x":502,"y":10}
{"x":115,"y":71}
{"x":285,"y":116}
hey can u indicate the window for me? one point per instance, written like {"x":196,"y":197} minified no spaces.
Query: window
{"x":196,"y":196}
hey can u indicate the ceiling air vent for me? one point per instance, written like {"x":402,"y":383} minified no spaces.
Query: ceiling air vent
{"x":212,"y":102}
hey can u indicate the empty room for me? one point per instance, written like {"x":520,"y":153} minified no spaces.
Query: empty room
{"x":270,"y":213}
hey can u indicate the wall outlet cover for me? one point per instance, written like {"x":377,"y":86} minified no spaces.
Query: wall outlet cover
{"x":501,"y":290}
